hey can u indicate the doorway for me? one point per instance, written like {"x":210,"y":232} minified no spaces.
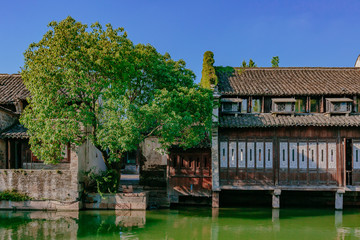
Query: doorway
{"x":349,"y":161}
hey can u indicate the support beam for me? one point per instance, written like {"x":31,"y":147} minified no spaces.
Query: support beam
{"x":276,"y":198}
{"x":215,"y":199}
{"x":339,"y":199}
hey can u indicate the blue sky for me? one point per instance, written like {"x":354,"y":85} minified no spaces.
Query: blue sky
{"x":302,"y":33}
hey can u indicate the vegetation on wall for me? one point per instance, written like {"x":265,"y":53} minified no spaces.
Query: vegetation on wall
{"x":208,"y":75}
{"x":94,"y":83}
{"x":13,"y":195}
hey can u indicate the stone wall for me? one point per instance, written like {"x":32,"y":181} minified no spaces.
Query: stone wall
{"x":60,"y":185}
{"x":117,"y":201}
{"x":151,"y":156}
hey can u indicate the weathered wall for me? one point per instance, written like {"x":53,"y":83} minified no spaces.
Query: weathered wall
{"x":58,"y":185}
{"x":90,"y":158}
{"x":6,"y":120}
{"x":151,"y":155}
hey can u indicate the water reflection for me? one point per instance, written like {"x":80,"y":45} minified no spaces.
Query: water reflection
{"x":183,"y":223}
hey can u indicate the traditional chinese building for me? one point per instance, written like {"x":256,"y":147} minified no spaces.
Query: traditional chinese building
{"x":286,"y":129}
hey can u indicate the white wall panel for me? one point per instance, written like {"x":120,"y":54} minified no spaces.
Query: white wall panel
{"x":283,"y":155}
{"x":250,"y":155}
{"x":332,"y":155}
{"x":232,"y":154}
{"x":259,"y":154}
{"x":223,"y":154}
{"x":303,"y":159}
{"x":312,"y":155}
{"x":242,"y":154}
{"x":322,"y":155}
{"x":293,"y":155}
{"x":268,"y":155}
{"x":356,"y":155}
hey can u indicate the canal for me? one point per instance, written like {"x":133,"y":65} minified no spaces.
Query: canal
{"x":183,"y":223}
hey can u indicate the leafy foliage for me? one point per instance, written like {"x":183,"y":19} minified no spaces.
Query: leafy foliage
{"x":275,"y":61}
{"x":208,"y":77}
{"x":103,"y":182}
{"x":13,"y":195}
{"x":94,"y":83}
{"x":250,"y":65}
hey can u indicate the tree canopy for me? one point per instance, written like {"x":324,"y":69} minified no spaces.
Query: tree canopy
{"x":208,"y":75}
{"x":275,"y":61}
{"x":250,"y":65}
{"x":94,"y":83}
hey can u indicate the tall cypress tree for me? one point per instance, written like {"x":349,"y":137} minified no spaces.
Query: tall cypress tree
{"x":208,"y":72}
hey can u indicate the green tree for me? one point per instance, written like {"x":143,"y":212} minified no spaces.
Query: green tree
{"x":208,"y":77}
{"x":250,"y":65}
{"x":275,"y":61}
{"x":94,"y":83}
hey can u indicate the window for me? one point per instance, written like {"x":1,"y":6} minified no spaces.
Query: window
{"x":227,"y":106}
{"x":250,"y":154}
{"x":303,"y":156}
{"x":267,"y":105}
{"x":322,"y":155}
{"x":283,"y":155}
{"x":293,"y":155}
{"x":241,"y":155}
{"x":312,"y":155}
{"x":268,"y":154}
{"x":300,"y":105}
{"x":315,"y":105}
{"x":244,"y":106}
{"x":283,"y":105}
{"x":259,"y":154}
{"x":256,"y":105}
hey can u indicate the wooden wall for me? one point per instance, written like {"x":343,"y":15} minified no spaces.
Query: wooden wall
{"x":300,"y":156}
{"x":189,"y":172}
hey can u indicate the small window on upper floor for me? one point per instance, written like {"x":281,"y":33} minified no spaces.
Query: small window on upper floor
{"x":267,"y":104}
{"x":230,"y":105}
{"x":338,"y":105}
{"x":283,"y":105}
{"x":314,"y":104}
{"x":300,"y":105}
{"x":256,"y":105}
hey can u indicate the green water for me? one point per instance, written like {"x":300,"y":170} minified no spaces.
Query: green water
{"x":184,"y":223}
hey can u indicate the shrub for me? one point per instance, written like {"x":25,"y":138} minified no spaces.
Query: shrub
{"x":13,"y":195}
{"x":103,"y":182}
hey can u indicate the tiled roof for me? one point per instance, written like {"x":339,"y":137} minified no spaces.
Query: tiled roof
{"x":17,"y":131}
{"x":269,"y":120}
{"x":288,"y":81}
{"x":12,"y":88}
